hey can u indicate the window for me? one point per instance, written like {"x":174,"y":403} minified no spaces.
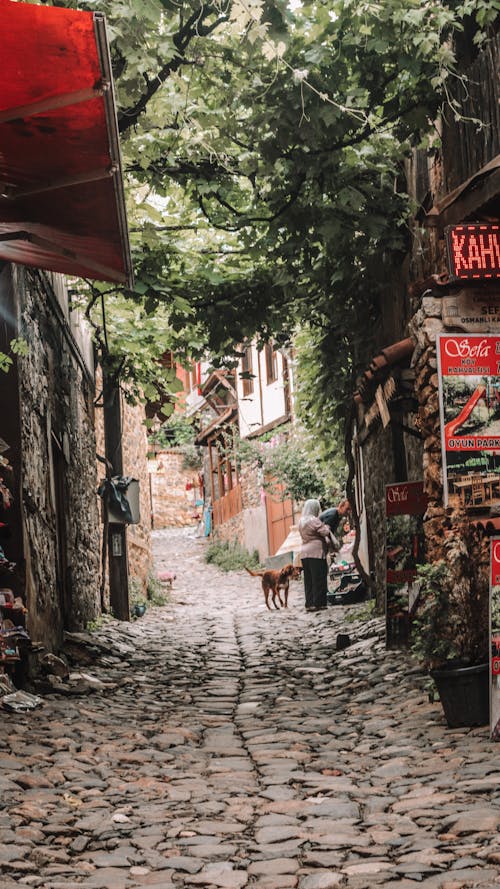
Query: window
{"x":271,"y":363}
{"x":247,"y":368}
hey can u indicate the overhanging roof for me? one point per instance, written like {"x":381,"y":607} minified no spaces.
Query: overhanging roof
{"x":216,"y":424}
{"x":62,"y":204}
{"x":479,"y":191}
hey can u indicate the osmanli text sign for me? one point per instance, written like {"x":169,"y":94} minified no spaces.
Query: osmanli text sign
{"x":473,"y":251}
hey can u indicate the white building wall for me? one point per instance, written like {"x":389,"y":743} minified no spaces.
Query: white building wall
{"x":273,"y":395}
{"x":250,"y":414}
{"x":267,"y":402}
{"x":195,"y":401}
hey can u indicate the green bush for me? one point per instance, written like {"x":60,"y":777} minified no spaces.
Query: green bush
{"x":366,"y":611}
{"x":230,"y":556}
{"x":155,"y":593}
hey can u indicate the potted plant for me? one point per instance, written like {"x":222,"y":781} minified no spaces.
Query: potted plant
{"x":449,"y":633}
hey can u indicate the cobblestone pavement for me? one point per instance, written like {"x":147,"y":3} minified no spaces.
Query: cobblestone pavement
{"x":235,"y":747}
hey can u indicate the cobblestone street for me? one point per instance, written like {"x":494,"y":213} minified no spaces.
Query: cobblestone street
{"x":235,"y":747}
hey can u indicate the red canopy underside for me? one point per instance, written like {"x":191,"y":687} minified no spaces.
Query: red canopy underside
{"x":61,"y":193}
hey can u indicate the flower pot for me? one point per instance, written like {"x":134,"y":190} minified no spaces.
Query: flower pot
{"x":138,"y":610}
{"x":465,"y":695}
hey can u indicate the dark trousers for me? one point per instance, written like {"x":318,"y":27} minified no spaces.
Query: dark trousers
{"x":315,"y":582}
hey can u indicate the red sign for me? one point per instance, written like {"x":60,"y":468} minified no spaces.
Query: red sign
{"x":405,"y":498}
{"x":495,"y":562}
{"x":473,"y":251}
{"x":473,"y":361}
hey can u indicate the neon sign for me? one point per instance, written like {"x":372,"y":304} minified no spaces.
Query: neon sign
{"x":473,"y":251}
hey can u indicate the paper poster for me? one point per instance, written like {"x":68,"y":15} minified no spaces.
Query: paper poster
{"x":469,"y":394}
{"x":405,"y":506}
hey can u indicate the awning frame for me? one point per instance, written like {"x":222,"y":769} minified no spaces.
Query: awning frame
{"x":9,"y":194}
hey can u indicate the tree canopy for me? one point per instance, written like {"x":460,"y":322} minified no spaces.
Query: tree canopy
{"x":263,"y":145}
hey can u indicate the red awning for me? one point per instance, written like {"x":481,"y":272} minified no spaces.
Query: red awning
{"x":62,"y":205}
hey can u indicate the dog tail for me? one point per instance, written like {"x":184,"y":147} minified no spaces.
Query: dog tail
{"x":254,"y":573}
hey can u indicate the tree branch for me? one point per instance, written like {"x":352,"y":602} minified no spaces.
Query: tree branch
{"x":189,"y":31}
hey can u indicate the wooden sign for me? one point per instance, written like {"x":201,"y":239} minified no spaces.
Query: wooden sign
{"x":405,"y":504}
{"x":474,"y":310}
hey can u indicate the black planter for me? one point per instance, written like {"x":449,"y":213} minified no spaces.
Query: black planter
{"x":464,"y":693}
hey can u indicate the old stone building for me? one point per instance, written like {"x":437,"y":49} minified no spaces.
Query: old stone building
{"x":46,"y":405}
{"x":396,"y":425}
{"x":62,"y":213}
{"x":177,"y":490}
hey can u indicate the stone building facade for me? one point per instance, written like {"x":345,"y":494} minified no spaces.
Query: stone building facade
{"x":455,"y":184}
{"x":46,"y":405}
{"x":176,"y":490}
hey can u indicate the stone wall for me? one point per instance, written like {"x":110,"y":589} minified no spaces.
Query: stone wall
{"x":60,"y":517}
{"x":426,"y":324}
{"x":135,"y":464}
{"x":174,"y":490}
{"x":232,"y":531}
{"x":379,"y":471}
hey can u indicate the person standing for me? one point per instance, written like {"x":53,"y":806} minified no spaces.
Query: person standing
{"x":332,"y":516}
{"x":316,"y":537}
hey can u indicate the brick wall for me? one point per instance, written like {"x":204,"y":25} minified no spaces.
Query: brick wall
{"x":173,"y":504}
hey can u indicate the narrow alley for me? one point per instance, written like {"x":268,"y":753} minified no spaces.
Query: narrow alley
{"x":232,"y":746}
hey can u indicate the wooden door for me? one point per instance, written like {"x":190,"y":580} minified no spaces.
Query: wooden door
{"x":279,"y":517}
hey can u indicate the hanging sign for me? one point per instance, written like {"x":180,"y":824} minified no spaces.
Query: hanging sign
{"x":405,"y":504}
{"x":469,"y":401}
{"x":495,"y":638}
{"x":473,"y":251}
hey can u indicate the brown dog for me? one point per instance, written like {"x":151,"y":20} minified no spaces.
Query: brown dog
{"x":274,"y":581}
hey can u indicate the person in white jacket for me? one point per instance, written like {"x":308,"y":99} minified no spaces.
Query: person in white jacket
{"x":316,"y":542}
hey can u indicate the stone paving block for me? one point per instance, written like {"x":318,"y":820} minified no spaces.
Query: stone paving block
{"x":321,"y":880}
{"x":283,"y":881}
{"x":273,"y":866}
{"x":222,"y":875}
{"x":107,"y":878}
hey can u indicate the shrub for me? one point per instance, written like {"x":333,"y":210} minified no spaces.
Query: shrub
{"x":450,"y":622}
{"x":230,"y":556}
{"x":155,"y":593}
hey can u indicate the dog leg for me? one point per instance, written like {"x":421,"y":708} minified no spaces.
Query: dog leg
{"x":266,"y":597}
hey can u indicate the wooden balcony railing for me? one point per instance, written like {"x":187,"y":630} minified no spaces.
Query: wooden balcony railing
{"x":228,"y":506}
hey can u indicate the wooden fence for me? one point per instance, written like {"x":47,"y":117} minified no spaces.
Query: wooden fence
{"x":228,"y":506}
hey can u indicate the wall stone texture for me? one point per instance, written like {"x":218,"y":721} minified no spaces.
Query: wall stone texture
{"x":425,"y":326}
{"x":60,"y":517}
{"x":173,"y":503}
{"x":135,"y":464}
